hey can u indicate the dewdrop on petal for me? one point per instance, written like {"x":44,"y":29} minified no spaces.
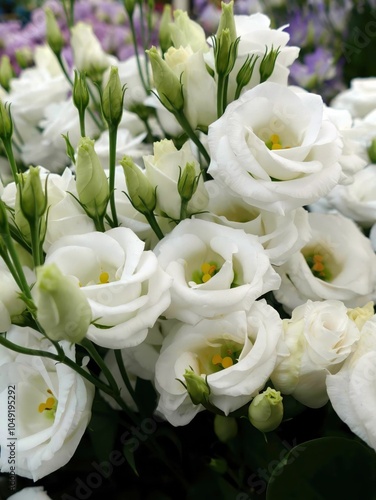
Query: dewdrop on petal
{"x":62,"y":309}
{"x":266,"y":410}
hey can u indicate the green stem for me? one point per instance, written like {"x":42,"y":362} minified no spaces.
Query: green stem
{"x":17,"y":265}
{"x":181,"y":118}
{"x":89,"y":346}
{"x":60,"y":359}
{"x":99,"y":224}
{"x":220,"y":94}
{"x":10,"y":266}
{"x":35,"y":242}
{"x":225,"y":91}
{"x":12,"y":162}
{"x":150,"y":217}
{"x":62,"y":66}
{"x":183,"y":209}
{"x":82,"y":123}
{"x":124,"y":375}
{"x":149,"y":137}
{"x":113,"y":137}
{"x":134,"y":39}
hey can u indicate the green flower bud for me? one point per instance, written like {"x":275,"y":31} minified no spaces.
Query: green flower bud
{"x":187,"y":182}
{"x":227,"y":20}
{"x":267,"y":64}
{"x":80,"y":91}
{"x":225,"y":428}
{"x":113,"y":98}
{"x":6,"y":72}
{"x":225,"y":52}
{"x":4,"y":226}
{"x":140,"y":191}
{"x":6,"y":123}
{"x":266,"y":410}
{"x":24,"y":57}
{"x":166,"y":82}
{"x":246,"y":71}
{"x":372,"y":151}
{"x":165,"y":41}
{"x":53,"y":34}
{"x":33,"y":201}
{"x":62,"y":309}
{"x":197,"y":387}
{"x":91,"y":181}
{"x":129,"y":7}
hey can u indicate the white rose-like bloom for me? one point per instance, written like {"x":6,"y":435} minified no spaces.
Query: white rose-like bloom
{"x":215,"y":269}
{"x":248,"y":342}
{"x":126,"y":288}
{"x":357,"y":200}
{"x":162,"y":170}
{"x":88,"y":54}
{"x":53,"y":405}
{"x":319,"y":337}
{"x":352,"y":390}
{"x":359,"y":99}
{"x":337,"y":263}
{"x":65,"y":215}
{"x":273,"y":148}
{"x":280,"y":235}
{"x":36,"y":493}
{"x":37,"y":87}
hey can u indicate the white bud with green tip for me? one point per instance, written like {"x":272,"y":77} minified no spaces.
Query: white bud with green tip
{"x":140,"y":191}
{"x":227,"y":20}
{"x":62,"y":308}
{"x":53,"y":34}
{"x":165,"y":40}
{"x":91,"y":181}
{"x":6,"y":72}
{"x":266,"y":410}
{"x":32,"y":199}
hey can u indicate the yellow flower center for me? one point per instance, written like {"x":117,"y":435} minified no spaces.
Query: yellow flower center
{"x":322,"y":262}
{"x":275,"y":143}
{"x":227,"y":356}
{"x":104,"y":278}
{"x":49,"y":406}
{"x":206,"y":272}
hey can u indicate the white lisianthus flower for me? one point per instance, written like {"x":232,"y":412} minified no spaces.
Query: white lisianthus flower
{"x":357,"y":200}
{"x":359,"y":99}
{"x":319,"y":337}
{"x":33,"y":493}
{"x":126,"y":288}
{"x":215,"y":269}
{"x":337,"y":263}
{"x":162,"y":170}
{"x":53,"y":405}
{"x":280,"y":235}
{"x":237,"y":353}
{"x":65,"y":215}
{"x":199,"y":87}
{"x":88,"y":54}
{"x":37,"y":87}
{"x":273,"y":148}
{"x":352,"y":390}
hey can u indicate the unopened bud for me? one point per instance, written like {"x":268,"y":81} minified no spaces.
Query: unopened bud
{"x":91,"y":180}
{"x":187,"y":182}
{"x":69,"y":148}
{"x":166,"y":82}
{"x":246,"y":71}
{"x":62,"y":308}
{"x":225,"y":428}
{"x":227,"y":20}
{"x":197,"y":387}
{"x":113,"y":98}
{"x":6,"y":72}
{"x":361,"y":315}
{"x":80,"y":91}
{"x":54,"y":37}
{"x":225,"y":52}
{"x":6,"y":123}
{"x":165,"y":41}
{"x":372,"y":151}
{"x":266,"y":410}
{"x":129,"y":7}
{"x":33,"y":201}
{"x":140,"y":191}
{"x":24,"y":57}
{"x":267,"y":64}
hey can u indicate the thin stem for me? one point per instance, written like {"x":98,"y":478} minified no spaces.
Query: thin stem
{"x":89,"y":346}
{"x":82,"y":123}
{"x":59,"y":359}
{"x":183,"y":209}
{"x":17,"y":265}
{"x":150,"y":217}
{"x":62,"y":66}
{"x":113,"y":139}
{"x":220,"y":94}
{"x":12,"y":162}
{"x":180,"y":116}
{"x":35,"y":242}
{"x":134,"y":39}
{"x":124,"y":375}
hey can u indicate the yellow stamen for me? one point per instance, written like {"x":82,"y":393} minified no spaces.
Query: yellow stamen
{"x":276,"y":146}
{"x":318,"y":258}
{"x":206,"y":278}
{"x":205,"y":267}
{"x":227,"y":362}
{"x":217,"y":359}
{"x":49,"y":404}
{"x":275,"y":139}
{"x":318,"y":266}
{"x":41,"y":407}
{"x":103,"y":278}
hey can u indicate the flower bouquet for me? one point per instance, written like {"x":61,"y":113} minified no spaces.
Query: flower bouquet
{"x":187,"y":269}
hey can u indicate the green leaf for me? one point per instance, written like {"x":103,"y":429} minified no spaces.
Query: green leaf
{"x":129,"y":456}
{"x":324,"y":468}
